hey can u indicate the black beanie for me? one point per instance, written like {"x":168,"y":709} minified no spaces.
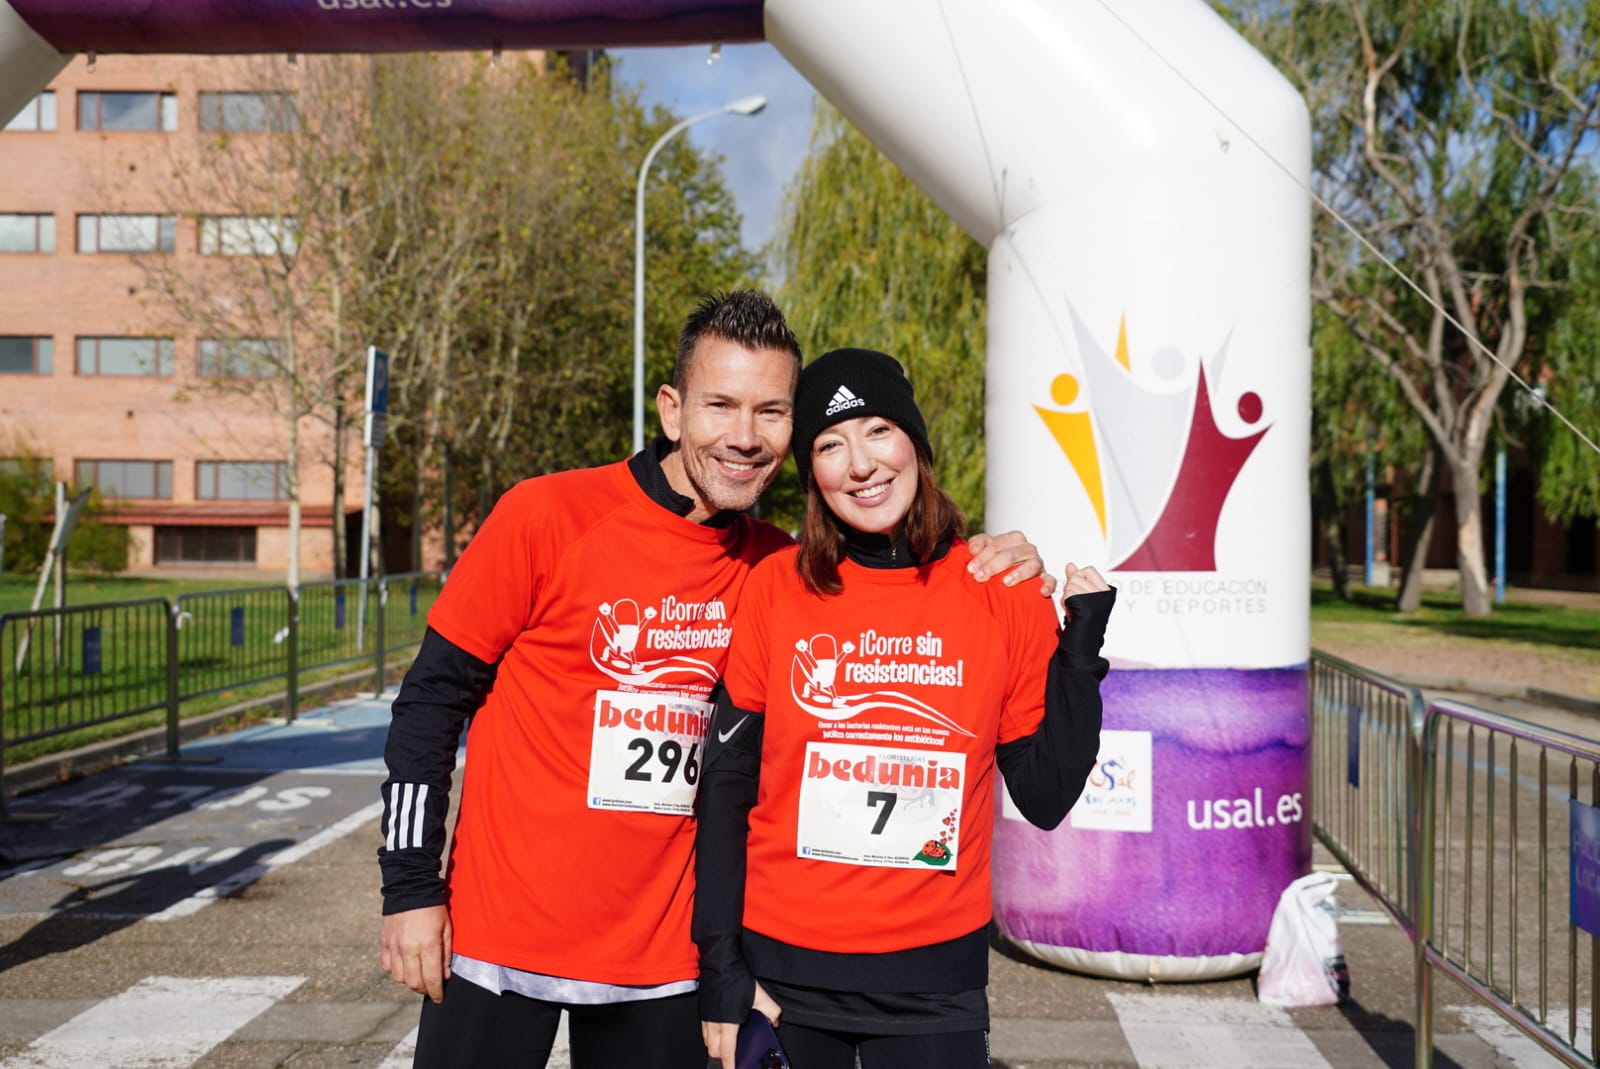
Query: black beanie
{"x":849,"y":384}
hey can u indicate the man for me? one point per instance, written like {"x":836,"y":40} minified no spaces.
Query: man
{"x":582,"y":632}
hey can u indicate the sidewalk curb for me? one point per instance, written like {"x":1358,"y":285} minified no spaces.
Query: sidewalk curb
{"x":1572,"y":703}
{"x":1569,"y":702}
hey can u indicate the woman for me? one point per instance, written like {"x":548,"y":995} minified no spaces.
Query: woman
{"x":848,"y":796}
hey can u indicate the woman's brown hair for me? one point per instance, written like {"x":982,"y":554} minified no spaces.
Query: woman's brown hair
{"x":933,"y":518}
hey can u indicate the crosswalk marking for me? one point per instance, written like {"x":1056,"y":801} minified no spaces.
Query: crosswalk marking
{"x":561,"y":1053}
{"x":162,"y":1022}
{"x":404,"y":1051}
{"x":166,"y":1022}
{"x":1183,"y":1031}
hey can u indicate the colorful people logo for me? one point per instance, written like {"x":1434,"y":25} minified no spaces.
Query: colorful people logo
{"x":1150,"y":451}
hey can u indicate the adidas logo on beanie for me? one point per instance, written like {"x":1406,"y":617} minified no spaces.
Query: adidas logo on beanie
{"x":851,"y":384}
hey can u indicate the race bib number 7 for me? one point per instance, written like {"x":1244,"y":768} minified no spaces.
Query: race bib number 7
{"x":881,"y":806}
{"x":646,"y":751}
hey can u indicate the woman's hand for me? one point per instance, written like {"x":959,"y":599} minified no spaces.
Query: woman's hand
{"x":722,"y":1038}
{"x":769,"y":1009}
{"x":1081,"y":581}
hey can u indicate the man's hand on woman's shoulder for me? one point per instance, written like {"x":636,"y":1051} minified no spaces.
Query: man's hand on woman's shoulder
{"x":1012,"y":554}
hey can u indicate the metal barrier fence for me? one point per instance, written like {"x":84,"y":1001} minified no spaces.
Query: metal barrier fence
{"x":233,"y":638}
{"x":1496,"y":902}
{"x":1363,"y":765}
{"x":342,"y":614}
{"x":74,"y":669}
{"x":1443,"y":811}
{"x":405,"y":606}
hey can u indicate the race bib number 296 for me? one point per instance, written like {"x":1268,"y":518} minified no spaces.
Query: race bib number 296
{"x":646,"y":752}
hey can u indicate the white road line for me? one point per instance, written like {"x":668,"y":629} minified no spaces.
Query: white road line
{"x":166,"y":1022}
{"x":112,"y":861}
{"x":162,"y":1022}
{"x":244,"y":877}
{"x":561,"y":1053}
{"x":1183,"y":1031}
{"x":1516,"y":1048}
{"x":406,"y":1049}
{"x":401,"y":1056}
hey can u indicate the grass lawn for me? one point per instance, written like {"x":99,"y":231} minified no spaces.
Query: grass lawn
{"x":1522,"y":637}
{"x":16,"y":590}
{"x":1537,"y":623}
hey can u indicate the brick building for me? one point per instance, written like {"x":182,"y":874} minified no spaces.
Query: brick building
{"x":97,"y":374}
{"x":1538,"y":551}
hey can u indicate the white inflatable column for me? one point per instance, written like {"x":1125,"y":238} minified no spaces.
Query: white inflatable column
{"x":1134,"y":170}
{"x":27,"y":63}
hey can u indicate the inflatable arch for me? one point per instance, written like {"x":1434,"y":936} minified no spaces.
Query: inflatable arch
{"x":1136,"y":172}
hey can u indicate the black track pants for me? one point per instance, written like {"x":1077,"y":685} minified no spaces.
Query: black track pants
{"x":475,"y":1029}
{"x":814,"y":1048}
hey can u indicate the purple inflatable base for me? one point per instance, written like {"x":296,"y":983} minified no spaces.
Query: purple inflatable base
{"x":1225,"y":800}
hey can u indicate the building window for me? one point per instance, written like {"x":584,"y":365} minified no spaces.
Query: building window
{"x":239,"y":358}
{"x":127,"y":233}
{"x":128,"y":111}
{"x":248,"y":112}
{"x":27,"y":232}
{"x":205,"y":545}
{"x":127,"y":478}
{"x":241,"y":480}
{"x":39,"y":114}
{"x":22,"y":355}
{"x":247,"y":235}
{"x":125,"y":356}
{"x":36,"y":473}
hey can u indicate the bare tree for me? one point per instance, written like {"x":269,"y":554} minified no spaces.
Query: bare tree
{"x":1457,"y":138}
{"x":506,"y":271}
{"x":263,"y":189}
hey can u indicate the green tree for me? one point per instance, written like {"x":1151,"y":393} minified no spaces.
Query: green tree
{"x":1454,"y":136}
{"x":1569,"y":474}
{"x":1360,"y":422}
{"x":869,"y":260}
{"x":501,"y":235}
{"x":27,"y":501}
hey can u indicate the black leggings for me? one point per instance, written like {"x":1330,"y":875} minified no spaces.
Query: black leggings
{"x":476,"y":1029}
{"x":816,"y":1048}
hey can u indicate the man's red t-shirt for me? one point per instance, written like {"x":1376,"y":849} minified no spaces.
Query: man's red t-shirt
{"x":610,"y":619}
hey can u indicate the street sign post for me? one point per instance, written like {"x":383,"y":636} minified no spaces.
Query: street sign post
{"x":376,"y":426}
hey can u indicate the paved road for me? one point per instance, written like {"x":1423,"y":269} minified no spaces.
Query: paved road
{"x":222,"y":914}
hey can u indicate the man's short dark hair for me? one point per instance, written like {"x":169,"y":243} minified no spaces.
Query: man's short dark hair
{"x":748,"y":318}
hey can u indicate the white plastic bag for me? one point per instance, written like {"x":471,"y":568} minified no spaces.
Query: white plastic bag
{"x":1304,"y":960}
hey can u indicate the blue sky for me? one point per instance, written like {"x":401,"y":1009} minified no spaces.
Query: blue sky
{"x":760,"y":153}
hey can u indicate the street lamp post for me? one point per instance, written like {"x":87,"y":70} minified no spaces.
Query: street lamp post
{"x":745,"y":106}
